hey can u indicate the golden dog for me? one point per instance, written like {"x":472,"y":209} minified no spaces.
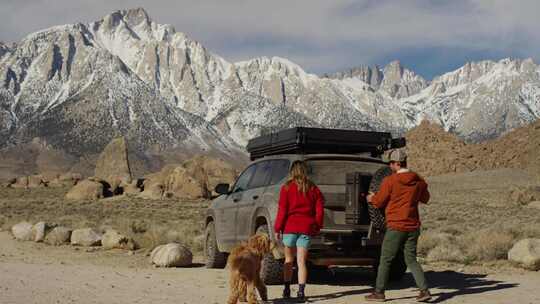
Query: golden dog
{"x":245,"y":265}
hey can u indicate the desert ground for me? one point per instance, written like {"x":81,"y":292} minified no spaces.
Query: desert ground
{"x":468,"y":228}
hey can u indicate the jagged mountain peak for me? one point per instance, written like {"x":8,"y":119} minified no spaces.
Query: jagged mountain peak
{"x":125,"y":74}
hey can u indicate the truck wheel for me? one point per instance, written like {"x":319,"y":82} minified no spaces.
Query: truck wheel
{"x":214,"y":257}
{"x":272,"y":269}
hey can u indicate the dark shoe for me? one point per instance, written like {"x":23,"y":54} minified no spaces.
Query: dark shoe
{"x":286,"y":293}
{"x":423,"y":296}
{"x":376,"y":297}
{"x":300,"y":297}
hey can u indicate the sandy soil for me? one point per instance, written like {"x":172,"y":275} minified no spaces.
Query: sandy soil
{"x":36,"y":273}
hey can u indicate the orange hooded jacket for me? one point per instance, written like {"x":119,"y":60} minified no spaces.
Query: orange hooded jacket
{"x":400,"y":193}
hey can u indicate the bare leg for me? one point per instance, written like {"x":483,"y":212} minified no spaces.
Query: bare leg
{"x":288,"y":266}
{"x":301,"y":259}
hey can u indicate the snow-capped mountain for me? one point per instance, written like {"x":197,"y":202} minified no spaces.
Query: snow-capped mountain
{"x":76,"y":86}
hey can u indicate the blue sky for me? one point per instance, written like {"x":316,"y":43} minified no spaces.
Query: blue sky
{"x":429,"y":37}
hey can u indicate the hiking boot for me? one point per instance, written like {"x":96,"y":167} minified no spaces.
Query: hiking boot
{"x":287,"y":293}
{"x":300,"y":297}
{"x":423,"y":296}
{"x":376,"y":297}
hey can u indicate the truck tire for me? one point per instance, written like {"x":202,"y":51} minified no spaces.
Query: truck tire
{"x":272,"y":269}
{"x":214,"y":257}
{"x":376,"y":215}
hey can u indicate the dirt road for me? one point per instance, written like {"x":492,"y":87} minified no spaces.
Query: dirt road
{"x":36,"y":273}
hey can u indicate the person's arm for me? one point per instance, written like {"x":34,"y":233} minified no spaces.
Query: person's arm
{"x":424,"y":193}
{"x":283,"y":206}
{"x":319,"y":208}
{"x":381,"y":198}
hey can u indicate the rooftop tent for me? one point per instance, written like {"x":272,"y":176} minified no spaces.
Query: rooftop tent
{"x":322,"y":141}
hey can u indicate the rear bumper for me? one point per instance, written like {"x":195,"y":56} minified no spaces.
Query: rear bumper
{"x":343,"y":247}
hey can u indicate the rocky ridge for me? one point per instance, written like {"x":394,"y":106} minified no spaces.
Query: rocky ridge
{"x":78,"y":86}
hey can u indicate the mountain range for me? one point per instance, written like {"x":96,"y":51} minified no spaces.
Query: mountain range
{"x":74,"y":87}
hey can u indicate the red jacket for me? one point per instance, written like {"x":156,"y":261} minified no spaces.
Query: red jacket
{"x":401,"y":193}
{"x":298,"y":212}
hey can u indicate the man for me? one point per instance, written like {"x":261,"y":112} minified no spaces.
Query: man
{"x":400,"y":193}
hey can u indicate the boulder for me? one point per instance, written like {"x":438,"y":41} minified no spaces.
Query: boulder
{"x":58,"y":236}
{"x":39,"y":231}
{"x":113,"y":164}
{"x":20,"y":182}
{"x":86,"y":190}
{"x":65,"y":180}
{"x":185,"y":184}
{"x":132,"y":188}
{"x":36,"y":181}
{"x":153,"y":191}
{"x":9,"y":182}
{"x":171,"y":255}
{"x":22,"y":231}
{"x":211,"y":171}
{"x":195,"y":178}
{"x":526,"y":253}
{"x":85,"y":237}
{"x":114,"y":240}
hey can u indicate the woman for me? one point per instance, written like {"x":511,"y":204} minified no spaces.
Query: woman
{"x":300,"y":217}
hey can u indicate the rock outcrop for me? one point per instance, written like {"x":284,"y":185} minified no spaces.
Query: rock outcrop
{"x":113,"y":164}
{"x":195,"y":178}
{"x":86,"y":190}
{"x":432,"y":151}
{"x":171,"y":255}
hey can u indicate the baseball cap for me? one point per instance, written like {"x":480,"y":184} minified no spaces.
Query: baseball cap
{"x":397,"y":155}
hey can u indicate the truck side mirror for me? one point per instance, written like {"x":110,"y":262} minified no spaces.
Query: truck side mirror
{"x":222,"y":189}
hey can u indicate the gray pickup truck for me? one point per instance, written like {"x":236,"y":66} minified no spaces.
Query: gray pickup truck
{"x":250,"y":206}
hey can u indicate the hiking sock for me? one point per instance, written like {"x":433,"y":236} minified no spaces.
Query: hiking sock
{"x":301,"y":287}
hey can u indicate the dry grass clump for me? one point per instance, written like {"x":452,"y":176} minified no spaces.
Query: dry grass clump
{"x":484,"y":245}
{"x":488,"y":244}
{"x":446,"y":252}
{"x":431,"y":239}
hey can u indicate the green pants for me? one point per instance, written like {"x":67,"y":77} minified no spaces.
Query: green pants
{"x":394,"y":241}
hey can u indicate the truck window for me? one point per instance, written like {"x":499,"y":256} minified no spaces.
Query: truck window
{"x":280,"y":170}
{"x":333,"y":172}
{"x":243,"y":180}
{"x":261,"y":176}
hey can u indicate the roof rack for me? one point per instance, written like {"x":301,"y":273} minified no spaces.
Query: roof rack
{"x":302,"y":140}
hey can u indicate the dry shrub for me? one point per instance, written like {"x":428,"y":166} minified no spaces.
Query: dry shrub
{"x":431,"y":239}
{"x":446,"y":252}
{"x":488,"y":244}
{"x":159,"y":234}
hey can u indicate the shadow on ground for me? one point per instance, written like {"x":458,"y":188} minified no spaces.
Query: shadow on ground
{"x":452,"y":284}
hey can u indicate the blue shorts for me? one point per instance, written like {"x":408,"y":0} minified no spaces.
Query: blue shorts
{"x":292,"y":240}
